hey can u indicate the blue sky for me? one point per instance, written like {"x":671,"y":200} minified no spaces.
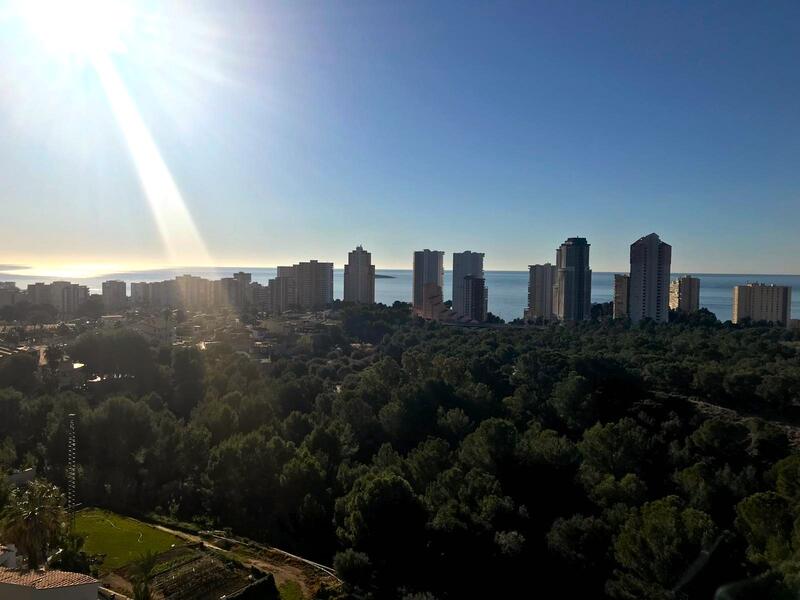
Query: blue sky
{"x":297,"y":130}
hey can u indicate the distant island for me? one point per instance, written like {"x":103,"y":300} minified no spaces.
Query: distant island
{"x":377,"y":276}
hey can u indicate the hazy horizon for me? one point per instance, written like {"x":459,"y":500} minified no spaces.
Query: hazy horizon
{"x":28,"y":272}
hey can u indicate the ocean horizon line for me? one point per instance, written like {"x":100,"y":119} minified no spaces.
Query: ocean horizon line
{"x":21,"y":271}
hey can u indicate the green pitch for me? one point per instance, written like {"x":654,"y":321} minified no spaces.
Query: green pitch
{"x":121,"y":539}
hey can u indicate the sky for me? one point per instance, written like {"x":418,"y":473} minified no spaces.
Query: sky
{"x":257,"y":133}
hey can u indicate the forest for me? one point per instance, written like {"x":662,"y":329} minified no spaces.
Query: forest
{"x":427,"y":461}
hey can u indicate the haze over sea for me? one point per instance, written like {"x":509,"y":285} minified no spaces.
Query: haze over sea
{"x":508,"y":290}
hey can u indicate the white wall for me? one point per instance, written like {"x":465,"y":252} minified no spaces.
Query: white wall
{"x":75,"y":592}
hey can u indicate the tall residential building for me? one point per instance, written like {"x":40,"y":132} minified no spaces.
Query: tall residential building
{"x":226,"y":293}
{"x":761,"y":302}
{"x":649,"y":286}
{"x":476,"y":299}
{"x":243,"y":281}
{"x":622,"y":295}
{"x":258,"y":295}
{"x":140,"y":293}
{"x":286,"y":272}
{"x":572,"y":292}
{"x":428,"y":268}
{"x":541,"y":279}
{"x":39,"y":293}
{"x":115,"y":295}
{"x":194,"y":292}
{"x":684,"y":294}
{"x":9,"y":294}
{"x":67,"y":297}
{"x":64,"y":296}
{"x":314,"y":282}
{"x":359,"y":277}
{"x":465,"y":264}
{"x":282,"y":291}
{"x":433,"y":306}
{"x":163,"y":293}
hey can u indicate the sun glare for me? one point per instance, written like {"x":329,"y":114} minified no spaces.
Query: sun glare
{"x":91,"y":33}
{"x":78,"y":29}
{"x":172,"y":216}
{"x":73,"y":271}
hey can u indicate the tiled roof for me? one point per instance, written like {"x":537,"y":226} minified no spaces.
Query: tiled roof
{"x":44,"y":580}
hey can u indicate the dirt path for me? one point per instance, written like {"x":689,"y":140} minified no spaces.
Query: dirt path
{"x":714,"y":410}
{"x":284,"y":574}
{"x":285,"y":567}
{"x":107,"y":593}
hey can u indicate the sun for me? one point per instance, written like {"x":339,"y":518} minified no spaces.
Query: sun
{"x":78,"y":29}
{"x":90,"y":34}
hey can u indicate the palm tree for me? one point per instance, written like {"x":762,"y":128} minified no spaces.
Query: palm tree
{"x":143,"y":575}
{"x":33,"y":519}
{"x":72,"y":556}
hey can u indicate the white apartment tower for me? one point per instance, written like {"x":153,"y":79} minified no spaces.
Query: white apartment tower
{"x":359,"y":277}
{"x":684,"y":294}
{"x":541,"y":279}
{"x":761,"y":302}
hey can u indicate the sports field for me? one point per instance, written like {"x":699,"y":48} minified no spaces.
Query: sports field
{"x":120,"y":539}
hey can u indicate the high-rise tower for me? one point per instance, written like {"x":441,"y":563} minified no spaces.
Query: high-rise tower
{"x":572,"y":292}
{"x":541,"y":279}
{"x":649,"y":285}
{"x":359,"y":277}
{"x":428,"y":269}
{"x":465,"y":264}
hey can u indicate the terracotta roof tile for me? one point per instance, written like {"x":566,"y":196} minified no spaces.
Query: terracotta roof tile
{"x":43,"y":580}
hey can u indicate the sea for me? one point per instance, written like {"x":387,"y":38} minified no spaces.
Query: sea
{"x":508,"y":290}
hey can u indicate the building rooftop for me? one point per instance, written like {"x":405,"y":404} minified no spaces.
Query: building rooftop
{"x":757,"y":284}
{"x":44,"y":580}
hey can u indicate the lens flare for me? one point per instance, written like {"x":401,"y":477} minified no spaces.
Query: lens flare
{"x":172,"y":216}
{"x":90,"y":33}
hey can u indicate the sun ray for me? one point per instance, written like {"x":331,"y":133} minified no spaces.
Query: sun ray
{"x":175,"y":224}
{"x":89,"y":34}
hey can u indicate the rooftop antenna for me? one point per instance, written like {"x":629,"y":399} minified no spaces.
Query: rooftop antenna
{"x":72,"y":470}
